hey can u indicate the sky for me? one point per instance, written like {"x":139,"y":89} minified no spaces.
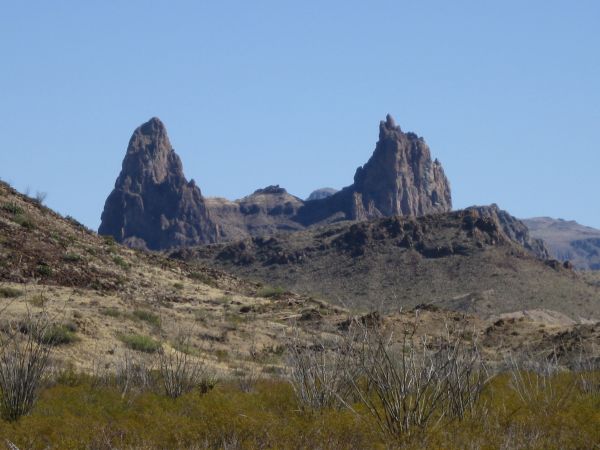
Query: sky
{"x":253,"y":93}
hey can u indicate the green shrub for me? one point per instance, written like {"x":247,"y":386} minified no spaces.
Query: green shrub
{"x":270,"y":292}
{"x":71,"y":257}
{"x":111,"y":312}
{"x":147,"y":316}
{"x":119,"y":261}
{"x":44,"y":270}
{"x":24,"y":220}
{"x":12,"y":208}
{"x":203,"y":278}
{"x":9,"y":292}
{"x":109,"y":240}
{"x":140,"y":343}
{"x":178,"y":286}
{"x":59,"y":335}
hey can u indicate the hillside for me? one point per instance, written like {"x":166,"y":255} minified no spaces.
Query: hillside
{"x":568,"y":240}
{"x":464,"y":260}
{"x":106,"y":292}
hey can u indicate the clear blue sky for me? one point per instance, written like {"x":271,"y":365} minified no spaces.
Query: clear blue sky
{"x":507,"y":94}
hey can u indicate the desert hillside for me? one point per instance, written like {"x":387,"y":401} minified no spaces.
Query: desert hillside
{"x":464,"y":260}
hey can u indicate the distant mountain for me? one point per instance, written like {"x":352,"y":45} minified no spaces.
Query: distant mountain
{"x":568,"y":240}
{"x":320,"y":194}
{"x":479,"y":260}
{"x":153,"y":206}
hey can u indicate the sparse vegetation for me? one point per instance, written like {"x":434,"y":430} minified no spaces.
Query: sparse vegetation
{"x":120,"y":261}
{"x":71,"y":257}
{"x":140,"y":343}
{"x":24,"y":220}
{"x":44,"y":270}
{"x":58,"y":334}
{"x":10,"y":292}
{"x":23,"y":365}
{"x":270,"y":292}
{"x":147,"y":316}
{"x":203,"y":278}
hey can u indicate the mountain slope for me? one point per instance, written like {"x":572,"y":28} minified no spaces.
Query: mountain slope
{"x":463,"y":260}
{"x":568,"y":240}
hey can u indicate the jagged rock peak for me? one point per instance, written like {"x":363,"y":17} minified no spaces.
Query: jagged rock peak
{"x":153,"y":205}
{"x":400,"y":178}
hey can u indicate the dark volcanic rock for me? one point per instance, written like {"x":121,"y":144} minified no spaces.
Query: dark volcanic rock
{"x":153,"y":205}
{"x":512,"y":227}
{"x":400,"y":179}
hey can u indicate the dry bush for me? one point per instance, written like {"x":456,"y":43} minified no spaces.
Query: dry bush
{"x":411,"y":385}
{"x":322,"y":375}
{"x":181,"y":373}
{"x":537,"y":382}
{"x":134,"y":373}
{"x":24,"y":361}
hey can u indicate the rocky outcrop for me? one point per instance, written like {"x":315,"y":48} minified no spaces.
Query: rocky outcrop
{"x":265,"y":212}
{"x":153,"y":206}
{"x":400,"y":179}
{"x":512,"y":228}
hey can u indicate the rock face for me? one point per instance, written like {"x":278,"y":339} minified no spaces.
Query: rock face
{"x":400,"y":179}
{"x":513,"y":228}
{"x":153,"y":206}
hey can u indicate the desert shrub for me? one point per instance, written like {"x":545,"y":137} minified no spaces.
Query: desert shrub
{"x":178,"y":286}
{"x":109,"y":240}
{"x":119,"y":261}
{"x":203,"y":278}
{"x":111,"y":312}
{"x":540,"y":381}
{"x":147,"y":316}
{"x":322,"y":375}
{"x":270,"y":292}
{"x":12,"y":208}
{"x":40,"y":197}
{"x":10,"y":292}
{"x":134,"y":374}
{"x":24,"y":220}
{"x":182,"y":373}
{"x":58,"y":334}
{"x":71,"y":257}
{"x":140,"y":343}
{"x":23,"y":365}
{"x":44,"y":270}
{"x":412,"y":385}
